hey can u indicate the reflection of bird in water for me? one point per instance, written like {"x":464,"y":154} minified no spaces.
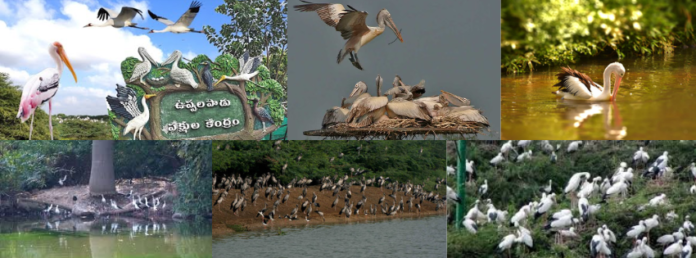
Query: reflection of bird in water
{"x":581,"y":112}
{"x":261,"y":114}
{"x":207,"y":76}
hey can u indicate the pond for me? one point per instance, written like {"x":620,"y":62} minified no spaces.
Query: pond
{"x":114,"y":237}
{"x":425,"y":237}
{"x":655,"y":101}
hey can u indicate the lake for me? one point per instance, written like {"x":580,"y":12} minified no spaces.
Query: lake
{"x":425,"y":237}
{"x":655,"y":101}
{"x":114,"y":237}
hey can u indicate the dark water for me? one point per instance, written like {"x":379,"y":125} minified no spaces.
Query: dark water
{"x":116,"y":237}
{"x":656,"y":101}
{"x":424,"y":237}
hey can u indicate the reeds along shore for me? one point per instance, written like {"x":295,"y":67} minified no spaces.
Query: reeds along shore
{"x":391,"y":200}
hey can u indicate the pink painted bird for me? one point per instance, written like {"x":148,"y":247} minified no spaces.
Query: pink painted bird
{"x":43,"y":86}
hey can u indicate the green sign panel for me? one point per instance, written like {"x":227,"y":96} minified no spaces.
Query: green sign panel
{"x":196,"y":114}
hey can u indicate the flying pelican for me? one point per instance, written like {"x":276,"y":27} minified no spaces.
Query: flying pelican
{"x":247,"y":69}
{"x":261,"y":114}
{"x":181,"y":25}
{"x":125,"y":104}
{"x":351,"y":23}
{"x":575,"y":85}
{"x":118,"y":20}
{"x":41,"y":87}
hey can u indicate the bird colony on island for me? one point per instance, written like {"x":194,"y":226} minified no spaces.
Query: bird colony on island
{"x":404,"y":197}
{"x":361,"y":109}
{"x":587,"y":194}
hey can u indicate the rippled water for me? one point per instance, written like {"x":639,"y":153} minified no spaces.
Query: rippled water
{"x":655,"y":101}
{"x":116,"y":237}
{"x":424,"y":237}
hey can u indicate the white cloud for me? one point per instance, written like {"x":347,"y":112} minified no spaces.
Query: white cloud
{"x":18,"y":77}
{"x":189,"y":55}
{"x":95,"y":53}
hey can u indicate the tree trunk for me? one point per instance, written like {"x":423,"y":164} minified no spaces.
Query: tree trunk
{"x":101,"y":179}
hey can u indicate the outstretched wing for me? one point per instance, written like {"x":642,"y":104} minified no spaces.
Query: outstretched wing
{"x":352,"y":23}
{"x":125,"y":103}
{"x":160,"y":18}
{"x":329,"y":13}
{"x":128,"y":13}
{"x":190,"y":14}
{"x":105,"y":13}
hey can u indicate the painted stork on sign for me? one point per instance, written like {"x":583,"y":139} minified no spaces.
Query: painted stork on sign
{"x":125,"y":104}
{"x":351,"y":23}
{"x":247,"y":69}
{"x":41,"y":87}
{"x":181,"y":25}
{"x":118,"y":20}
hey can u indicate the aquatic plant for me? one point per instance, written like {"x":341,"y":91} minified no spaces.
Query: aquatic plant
{"x":553,"y":32}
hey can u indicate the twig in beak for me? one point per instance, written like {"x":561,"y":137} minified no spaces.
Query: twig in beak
{"x":397,"y":38}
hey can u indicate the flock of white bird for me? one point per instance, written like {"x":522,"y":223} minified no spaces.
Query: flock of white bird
{"x":581,"y":187}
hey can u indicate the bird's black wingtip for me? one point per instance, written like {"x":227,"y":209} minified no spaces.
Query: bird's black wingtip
{"x":195,"y":4}
{"x":152,"y":15}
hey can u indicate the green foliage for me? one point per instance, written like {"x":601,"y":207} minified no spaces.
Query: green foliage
{"x":227,"y":65}
{"x":194,"y":178}
{"x":516,"y":184}
{"x":257,"y":26}
{"x":401,"y":161}
{"x":535,"y":32}
{"x":10,"y":126}
{"x":127,"y":67}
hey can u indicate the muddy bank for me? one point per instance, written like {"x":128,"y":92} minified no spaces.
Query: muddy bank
{"x":76,"y":200}
{"x":225,"y":222}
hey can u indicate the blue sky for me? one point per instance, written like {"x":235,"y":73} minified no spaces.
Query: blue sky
{"x":28,"y":27}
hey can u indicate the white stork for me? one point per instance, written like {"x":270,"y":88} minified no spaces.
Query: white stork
{"x":125,"y":104}
{"x":640,"y":156}
{"x":181,"y":25}
{"x":575,"y":85}
{"x":41,"y":87}
{"x":118,"y":20}
{"x":247,"y":69}
{"x":497,"y":159}
{"x":351,"y":23}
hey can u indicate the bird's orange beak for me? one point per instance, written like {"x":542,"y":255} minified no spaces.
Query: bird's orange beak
{"x":61,"y":53}
{"x":148,"y":96}
{"x":616,"y":87}
{"x":395,"y":29}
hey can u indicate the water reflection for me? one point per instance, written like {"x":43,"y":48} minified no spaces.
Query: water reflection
{"x":112,"y":237}
{"x":655,"y":102}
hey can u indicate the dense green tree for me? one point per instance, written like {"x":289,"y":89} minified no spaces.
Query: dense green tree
{"x":10,"y":126}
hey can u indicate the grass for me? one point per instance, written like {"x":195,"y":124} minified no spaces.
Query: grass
{"x":236,"y":228}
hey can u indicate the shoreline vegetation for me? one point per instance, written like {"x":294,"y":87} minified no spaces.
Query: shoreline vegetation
{"x":558,"y":33}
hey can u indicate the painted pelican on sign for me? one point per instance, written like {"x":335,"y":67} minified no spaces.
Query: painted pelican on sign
{"x":575,"y":85}
{"x":41,"y":88}
{"x":351,"y":23}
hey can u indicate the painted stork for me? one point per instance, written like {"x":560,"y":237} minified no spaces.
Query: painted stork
{"x":247,"y":69}
{"x":575,"y":85}
{"x":41,"y":87}
{"x":118,"y":20}
{"x":125,"y":104}
{"x":181,"y":25}
{"x":351,"y":23}
{"x":453,"y":196}
{"x":506,"y":243}
{"x":143,"y":68}
{"x":261,"y":114}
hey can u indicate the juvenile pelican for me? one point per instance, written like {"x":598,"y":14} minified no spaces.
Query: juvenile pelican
{"x":41,"y":87}
{"x":351,"y":23}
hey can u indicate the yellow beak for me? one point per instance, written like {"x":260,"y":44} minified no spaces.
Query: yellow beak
{"x":148,"y":96}
{"x":395,"y":29}
{"x":219,"y":81}
{"x":63,"y":57}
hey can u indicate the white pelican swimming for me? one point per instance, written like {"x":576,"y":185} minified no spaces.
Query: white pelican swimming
{"x":575,"y":85}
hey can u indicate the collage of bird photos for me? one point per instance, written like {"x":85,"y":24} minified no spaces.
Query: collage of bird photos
{"x":395,"y":128}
